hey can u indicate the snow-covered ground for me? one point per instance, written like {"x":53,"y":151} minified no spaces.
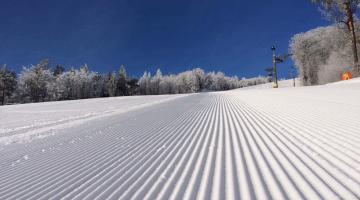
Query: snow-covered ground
{"x":286,"y":143}
{"x":282,"y":84}
{"x":25,"y":122}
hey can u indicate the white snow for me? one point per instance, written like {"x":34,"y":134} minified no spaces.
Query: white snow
{"x":259,"y":143}
{"x":281,"y":83}
{"x":25,"y":122}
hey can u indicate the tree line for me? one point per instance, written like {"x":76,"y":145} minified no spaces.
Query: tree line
{"x":43,"y":82}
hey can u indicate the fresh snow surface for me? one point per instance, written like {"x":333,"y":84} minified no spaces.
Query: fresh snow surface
{"x":25,"y":122}
{"x":281,"y":83}
{"x":286,"y":143}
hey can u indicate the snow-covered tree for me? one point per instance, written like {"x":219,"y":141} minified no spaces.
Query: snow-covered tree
{"x":84,"y":82}
{"x":79,"y":84}
{"x":185,"y":82}
{"x":35,"y":82}
{"x":66,"y":85}
{"x":315,"y":51}
{"x":7,"y":83}
{"x":144,"y":83}
{"x":98,"y":87}
{"x":155,"y":82}
{"x":192,"y":81}
{"x":342,"y":11}
{"x":252,"y":81}
{"x":39,"y":83}
{"x":122,"y":82}
{"x":199,"y":79}
{"x":110,"y":84}
{"x":168,"y":85}
{"x":209,"y":80}
{"x":220,"y":82}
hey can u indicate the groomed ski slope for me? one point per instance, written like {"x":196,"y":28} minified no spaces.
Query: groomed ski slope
{"x":287,"y":143}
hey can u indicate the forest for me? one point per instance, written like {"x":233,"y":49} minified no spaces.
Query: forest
{"x":43,"y":82}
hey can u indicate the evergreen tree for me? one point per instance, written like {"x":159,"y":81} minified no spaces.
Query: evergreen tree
{"x":111,"y":84}
{"x":7,"y":83}
{"x":132,"y":86}
{"x":59,"y":69}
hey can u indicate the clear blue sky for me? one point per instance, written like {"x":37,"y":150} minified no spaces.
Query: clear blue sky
{"x":233,"y":36}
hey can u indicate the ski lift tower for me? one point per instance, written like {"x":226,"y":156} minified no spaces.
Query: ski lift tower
{"x":277,"y":59}
{"x":273,"y":49}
